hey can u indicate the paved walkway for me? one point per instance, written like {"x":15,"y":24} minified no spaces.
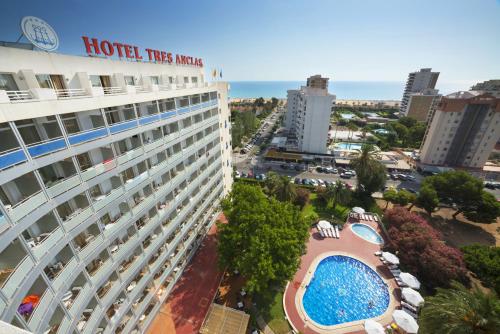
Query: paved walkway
{"x":185,"y":309}
{"x":348,"y":243}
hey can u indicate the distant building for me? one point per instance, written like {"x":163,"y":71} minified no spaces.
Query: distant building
{"x":308,"y":115}
{"x":490,"y":86}
{"x":421,"y":105}
{"x":418,"y":82}
{"x":462,"y":131}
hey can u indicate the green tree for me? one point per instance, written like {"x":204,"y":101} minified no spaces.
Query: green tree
{"x":302,"y":197}
{"x":484,"y":261}
{"x":486,"y":210}
{"x":352,"y":128}
{"x":371,"y":173}
{"x":390,"y":196}
{"x":280,"y":187}
{"x":463,"y":189}
{"x":407,"y":121}
{"x":427,"y":198}
{"x":405,"y":197}
{"x":337,"y":193}
{"x":460,"y":311}
{"x":402,"y":132}
{"x":264,"y":238}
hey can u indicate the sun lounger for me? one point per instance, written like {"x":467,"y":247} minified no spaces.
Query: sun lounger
{"x":375,"y":218}
{"x":327,"y":232}
{"x":409,"y":306}
{"x":410,"y":312}
{"x":378,"y":253}
{"x":392,"y":267}
{"x":321,"y":232}
{"x":337,"y":232}
{"x":400,"y":283}
{"x":395,"y":272}
{"x":332,"y":234}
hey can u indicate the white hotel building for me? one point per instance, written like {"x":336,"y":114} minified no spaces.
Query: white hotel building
{"x":110,"y":175}
{"x":308,"y":115}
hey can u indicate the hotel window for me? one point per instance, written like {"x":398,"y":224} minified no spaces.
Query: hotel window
{"x":155,"y":80}
{"x":171,"y":80}
{"x":7,"y":82}
{"x":50,"y":81}
{"x":129,"y":80}
{"x":194,"y":79}
{"x":186,"y":80}
{"x":95,"y":81}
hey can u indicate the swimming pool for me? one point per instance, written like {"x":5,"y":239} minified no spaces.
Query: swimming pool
{"x":367,"y":233}
{"x":344,"y":289}
{"x":347,"y":146}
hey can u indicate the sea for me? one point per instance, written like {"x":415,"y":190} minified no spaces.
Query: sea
{"x":345,"y":90}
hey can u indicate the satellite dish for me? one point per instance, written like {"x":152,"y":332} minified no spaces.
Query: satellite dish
{"x":39,"y":33}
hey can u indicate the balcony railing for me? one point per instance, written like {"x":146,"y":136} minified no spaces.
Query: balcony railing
{"x":113,"y":90}
{"x":70,"y":93}
{"x":19,"y":95}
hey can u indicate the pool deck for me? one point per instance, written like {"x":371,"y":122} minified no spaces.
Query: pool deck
{"x":349,"y":244}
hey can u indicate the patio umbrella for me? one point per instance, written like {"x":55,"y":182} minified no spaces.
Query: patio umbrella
{"x":373,"y":327}
{"x":413,"y":297}
{"x":410,"y":280}
{"x":389,"y":257}
{"x":324,"y":224}
{"x":405,"y":321}
{"x":359,"y":210}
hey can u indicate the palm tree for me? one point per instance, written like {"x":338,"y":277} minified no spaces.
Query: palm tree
{"x":461,"y":311}
{"x":351,"y":127}
{"x":371,"y":173}
{"x":338,"y":193}
{"x":286,"y":190}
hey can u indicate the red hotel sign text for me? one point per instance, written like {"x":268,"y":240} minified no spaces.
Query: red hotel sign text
{"x":95,"y":47}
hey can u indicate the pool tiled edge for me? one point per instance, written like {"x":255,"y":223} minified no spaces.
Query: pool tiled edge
{"x":347,"y":327}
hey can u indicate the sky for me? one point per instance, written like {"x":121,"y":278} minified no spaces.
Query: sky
{"x":346,"y":40}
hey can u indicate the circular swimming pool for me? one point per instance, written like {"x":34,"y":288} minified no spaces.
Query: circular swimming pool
{"x":366,"y":232}
{"x":344,"y":289}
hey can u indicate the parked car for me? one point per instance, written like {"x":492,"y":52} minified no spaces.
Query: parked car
{"x":347,"y":185}
{"x":237,"y":174}
{"x":345,"y":175}
{"x":297,"y":180}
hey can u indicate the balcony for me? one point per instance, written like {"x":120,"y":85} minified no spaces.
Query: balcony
{"x":69,"y":93}
{"x":74,"y":211}
{"x":14,"y":267}
{"x":19,"y":95}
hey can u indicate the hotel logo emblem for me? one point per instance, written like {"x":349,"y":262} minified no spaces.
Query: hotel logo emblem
{"x":39,"y":33}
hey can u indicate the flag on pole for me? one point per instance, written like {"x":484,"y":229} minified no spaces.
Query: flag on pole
{"x":214,"y":73}
{"x":220,"y":73}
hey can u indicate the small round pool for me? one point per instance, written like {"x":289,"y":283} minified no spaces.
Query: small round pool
{"x":366,"y":232}
{"x":344,"y":289}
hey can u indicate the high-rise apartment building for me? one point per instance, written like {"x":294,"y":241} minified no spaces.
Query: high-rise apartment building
{"x":417,"y":83}
{"x":110,"y":175}
{"x":490,"y":86}
{"x":421,"y":105}
{"x":308,"y":115}
{"x":462,"y":131}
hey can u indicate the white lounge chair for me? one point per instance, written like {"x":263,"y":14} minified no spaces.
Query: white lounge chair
{"x":321,"y":232}
{"x":337,"y":232}
{"x":395,"y":273}
{"x":378,"y":253}
{"x":330,"y":233}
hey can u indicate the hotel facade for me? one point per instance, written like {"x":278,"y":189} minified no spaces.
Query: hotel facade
{"x":307,"y":117}
{"x":462,"y":131}
{"x":111,"y":173}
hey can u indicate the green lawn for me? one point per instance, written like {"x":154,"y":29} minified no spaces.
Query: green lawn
{"x":271,"y":310}
{"x":317,"y":209}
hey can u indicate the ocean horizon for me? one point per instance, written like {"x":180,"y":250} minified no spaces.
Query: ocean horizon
{"x":344,"y":90}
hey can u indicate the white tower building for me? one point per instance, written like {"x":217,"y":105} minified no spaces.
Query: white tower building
{"x":308,"y":115}
{"x":110,"y":175}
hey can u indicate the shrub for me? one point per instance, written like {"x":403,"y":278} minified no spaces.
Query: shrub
{"x":484,"y":261}
{"x":302,"y":197}
{"x":421,"y":250}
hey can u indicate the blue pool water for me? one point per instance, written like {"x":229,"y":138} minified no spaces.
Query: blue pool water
{"x":344,"y":289}
{"x":367,"y":233}
{"x":348,"y":146}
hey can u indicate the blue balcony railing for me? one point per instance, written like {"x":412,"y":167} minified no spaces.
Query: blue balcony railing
{"x":87,"y":136}
{"x":12,"y":158}
{"x":18,"y":156}
{"x":46,"y":147}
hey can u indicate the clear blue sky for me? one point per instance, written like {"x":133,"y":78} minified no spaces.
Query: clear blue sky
{"x":289,"y":39}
